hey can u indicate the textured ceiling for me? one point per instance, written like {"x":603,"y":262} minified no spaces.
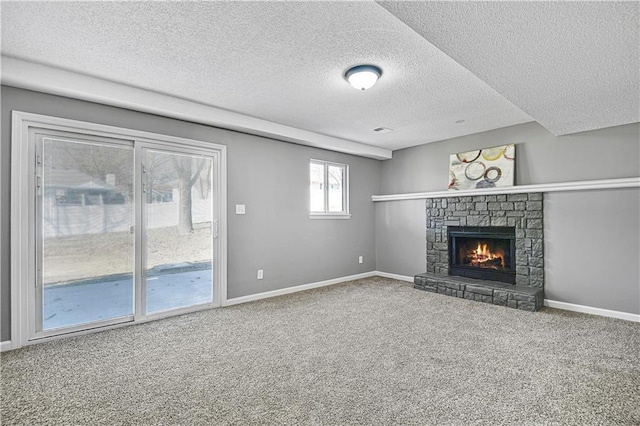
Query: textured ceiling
{"x":283,"y":62}
{"x":571,"y":65}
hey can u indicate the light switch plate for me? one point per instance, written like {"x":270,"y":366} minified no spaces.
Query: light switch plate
{"x":240,"y":209}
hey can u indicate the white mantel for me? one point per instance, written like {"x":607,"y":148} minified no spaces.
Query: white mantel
{"x":632,"y":182}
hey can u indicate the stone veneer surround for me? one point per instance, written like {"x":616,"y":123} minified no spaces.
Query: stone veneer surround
{"x":522,"y":211}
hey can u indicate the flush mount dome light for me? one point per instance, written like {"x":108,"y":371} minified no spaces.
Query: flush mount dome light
{"x":363,"y":77}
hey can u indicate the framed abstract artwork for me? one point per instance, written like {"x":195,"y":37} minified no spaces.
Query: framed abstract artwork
{"x":482,"y":168}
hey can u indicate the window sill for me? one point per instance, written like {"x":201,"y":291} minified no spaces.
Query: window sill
{"x":329,"y":216}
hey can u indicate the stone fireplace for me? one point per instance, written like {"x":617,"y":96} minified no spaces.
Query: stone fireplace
{"x":487,"y":248}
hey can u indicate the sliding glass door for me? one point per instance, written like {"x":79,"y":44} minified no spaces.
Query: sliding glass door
{"x":124,"y":231}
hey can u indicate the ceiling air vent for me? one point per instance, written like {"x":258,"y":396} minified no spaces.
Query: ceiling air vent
{"x":382,"y":130}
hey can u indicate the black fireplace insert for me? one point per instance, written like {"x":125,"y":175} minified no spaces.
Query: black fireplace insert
{"x":487,"y":253}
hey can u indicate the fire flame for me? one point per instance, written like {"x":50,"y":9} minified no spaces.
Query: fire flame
{"x":482,"y":254}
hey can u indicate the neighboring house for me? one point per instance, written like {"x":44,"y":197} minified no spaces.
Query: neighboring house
{"x":73,"y":187}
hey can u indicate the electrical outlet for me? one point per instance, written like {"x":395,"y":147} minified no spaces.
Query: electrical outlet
{"x":360,"y":259}
{"x":260,"y":274}
{"x":240,"y":209}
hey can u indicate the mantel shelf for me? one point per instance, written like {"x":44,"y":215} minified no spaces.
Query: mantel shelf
{"x":632,"y":182}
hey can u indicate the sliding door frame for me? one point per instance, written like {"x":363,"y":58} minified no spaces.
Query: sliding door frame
{"x":23,"y":206}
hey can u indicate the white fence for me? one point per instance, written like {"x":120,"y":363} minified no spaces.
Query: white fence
{"x":65,"y":221}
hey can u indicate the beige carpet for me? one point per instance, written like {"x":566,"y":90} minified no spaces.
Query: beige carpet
{"x":372,"y":351}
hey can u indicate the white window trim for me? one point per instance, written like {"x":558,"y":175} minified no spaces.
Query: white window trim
{"x":345,"y":214}
{"x":329,"y":216}
{"x":22,"y":228}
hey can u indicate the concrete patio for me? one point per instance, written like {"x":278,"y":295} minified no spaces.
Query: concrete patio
{"x":108,"y":298}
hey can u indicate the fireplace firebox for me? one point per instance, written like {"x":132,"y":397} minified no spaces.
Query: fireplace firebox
{"x":483,"y":252}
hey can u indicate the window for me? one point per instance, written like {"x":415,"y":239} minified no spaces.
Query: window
{"x":329,"y":190}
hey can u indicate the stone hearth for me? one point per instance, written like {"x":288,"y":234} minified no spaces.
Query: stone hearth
{"x":526,"y":298}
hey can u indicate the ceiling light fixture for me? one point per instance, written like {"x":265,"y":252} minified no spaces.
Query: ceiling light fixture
{"x":363,"y":77}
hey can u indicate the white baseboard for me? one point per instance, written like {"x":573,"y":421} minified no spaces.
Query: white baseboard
{"x":591,"y":310}
{"x":394,"y":276}
{"x":295,"y":289}
{"x":6,"y":346}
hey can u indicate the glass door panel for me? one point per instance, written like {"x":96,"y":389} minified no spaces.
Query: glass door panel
{"x":84,"y":239}
{"x":179,"y":230}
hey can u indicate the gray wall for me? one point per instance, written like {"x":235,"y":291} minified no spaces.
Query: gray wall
{"x":270,"y":177}
{"x":400,"y":247}
{"x":608,"y":217}
{"x":592,"y":248}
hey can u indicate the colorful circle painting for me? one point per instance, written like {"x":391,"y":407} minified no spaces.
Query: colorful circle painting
{"x":482,"y":168}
